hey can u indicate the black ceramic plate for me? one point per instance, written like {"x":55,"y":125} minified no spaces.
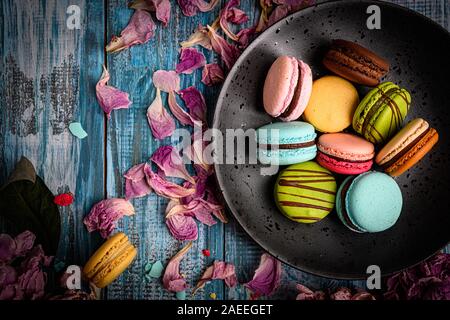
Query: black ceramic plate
{"x":418,"y":50}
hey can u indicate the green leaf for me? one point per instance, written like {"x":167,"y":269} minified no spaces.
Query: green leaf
{"x":27,"y":204}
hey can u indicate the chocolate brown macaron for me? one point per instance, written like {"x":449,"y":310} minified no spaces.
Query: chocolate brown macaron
{"x":355,"y":63}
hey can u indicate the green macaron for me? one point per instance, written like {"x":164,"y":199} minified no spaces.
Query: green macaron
{"x":305,"y":192}
{"x":381,"y":113}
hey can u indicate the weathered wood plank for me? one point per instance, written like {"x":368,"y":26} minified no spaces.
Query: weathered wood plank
{"x":130,"y":142}
{"x":47,"y":81}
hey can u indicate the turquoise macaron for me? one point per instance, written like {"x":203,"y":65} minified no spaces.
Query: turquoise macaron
{"x":286,"y":143}
{"x":370,"y":202}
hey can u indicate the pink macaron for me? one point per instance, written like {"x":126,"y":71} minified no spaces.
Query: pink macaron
{"x":345,"y":153}
{"x":287,"y":88}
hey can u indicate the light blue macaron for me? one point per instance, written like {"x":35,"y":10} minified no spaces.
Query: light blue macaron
{"x":370,"y":202}
{"x":286,"y":143}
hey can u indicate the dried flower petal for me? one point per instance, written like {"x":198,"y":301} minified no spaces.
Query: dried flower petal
{"x":307,"y":294}
{"x":160,"y":7}
{"x":191,"y":7}
{"x":219,"y":270}
{"x":172,"y":280}
{"x":108,"y":97}
{"x":169,"y":161}
{"x":24,"y":242}
{"x":190,"y":60}
{"x":200,"y":36}
{"x":245,"y":36}
{"x":195,"y":102}
{"x":267,"y":277}
{"x":166,"y":188}
{"x":212,"y":74}
{"x":139,"y":30}
{"x":178,"y":112}
{"x":182,"y":227}
{"x":266,"y":9}
{"x":136,"y":184}
{"x":166,"y":81}
{"x":104,"y":215}
{"x":7,"y":248}
{"x":227,"y":51}
{"x":230,"y":13}
{"x":160,"y":121}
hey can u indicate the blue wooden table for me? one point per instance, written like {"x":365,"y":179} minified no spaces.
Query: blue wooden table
{"x":48,"y":76}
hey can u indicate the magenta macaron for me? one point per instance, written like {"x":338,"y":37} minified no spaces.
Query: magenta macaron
{"x":287,"y":88}
{"x":345,"y":153}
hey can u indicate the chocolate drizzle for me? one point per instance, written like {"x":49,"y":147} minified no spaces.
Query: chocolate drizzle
{"x":298,"y":184}
{"x":303,"y":205}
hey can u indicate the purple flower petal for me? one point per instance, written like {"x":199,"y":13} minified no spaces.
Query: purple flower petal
{"x":195,"y":102}
{"x":136,"y":183}
{"x":110,"y":98}
{"x":172,"y":279}
{"x":219,"y":270}
{"x":182,"y":227}
{"x":228,"y":52}
{"x":178,"y":112}
{"x":190,"y":60}
{"x":267,"y":277}
{"x":230,"y":13}
{"x":104,"y":215}
{"x":7,"y":248}
{"x":212,"y":74}
{"x":160,"y":7}
{"x":139,"y":30}
{"x":166,"y":80}
{"x":160,"y":121}
{"x":166,"y":188}
{"x":245,"y":36}
{"x":169,"y":161}
{"x":191,"y":7}
{"x":24,"y":243}
{"x":341,"y":294}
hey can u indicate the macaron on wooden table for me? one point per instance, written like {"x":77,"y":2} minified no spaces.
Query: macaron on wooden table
{"x":47,"y":81}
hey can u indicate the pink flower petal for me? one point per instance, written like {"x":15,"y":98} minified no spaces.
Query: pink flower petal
{"x":182,"y":227}
{"x":136,"y":183}
{"x":160,"y":121}
{"x":160,"y":7}
{"x":166,"y":80}
{"x":139,"y":30}
{"x":212,"y":74}
{"x":267,"y":277}
{"x":245,"y":36}
{"x":104,"y":215}
{"x":231,"y":14}
{"x":191,"y":7}
{"x":166,"y":188}
{"x":108,"y":97}
{"x":169,"y":161}
{"x":228,"y":52}
{"x":24,"y":242}
{"x":190,"y":60}
{"x":219,"y":270}
{"x":195,"y":102}
{"x":172,"y":280}
{"x":178,"y":112}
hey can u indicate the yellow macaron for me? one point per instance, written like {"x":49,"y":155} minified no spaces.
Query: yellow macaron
{"x":332,"y":104}
{"x":110,"y":260}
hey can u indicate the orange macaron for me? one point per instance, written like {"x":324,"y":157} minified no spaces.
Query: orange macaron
{"x":407,"y":147}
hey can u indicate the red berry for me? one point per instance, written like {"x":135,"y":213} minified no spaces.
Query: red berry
{"x":63,"y":199}
{"x":206,"y":252}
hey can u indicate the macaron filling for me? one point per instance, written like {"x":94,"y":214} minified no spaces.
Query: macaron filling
{"x":287,"y":146}
{"x":292,"y":104}
{"x":405,"y":150}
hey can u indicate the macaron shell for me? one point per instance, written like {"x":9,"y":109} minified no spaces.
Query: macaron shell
{"x":414,"y":155}
{"x":411,"y":132}
{"x":374,"y":202}
{"x":381,"y":113}
{"x":102,"y":255}
{"x":302,"y":93}
{"x":340,"y":205}
{"x":343,"y":167}
{"x":346,"y":146}
{"x":332,"y":104}
{"x":305,"y":192}
{"x":280,"y":84}
{"x":115,"y":268}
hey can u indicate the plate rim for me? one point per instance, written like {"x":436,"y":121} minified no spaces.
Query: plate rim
{"x":216,"y":119}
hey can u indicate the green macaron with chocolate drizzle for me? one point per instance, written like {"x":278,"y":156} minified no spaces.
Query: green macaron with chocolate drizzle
{"x":305,"y":192}
{"x":381,"y":113}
